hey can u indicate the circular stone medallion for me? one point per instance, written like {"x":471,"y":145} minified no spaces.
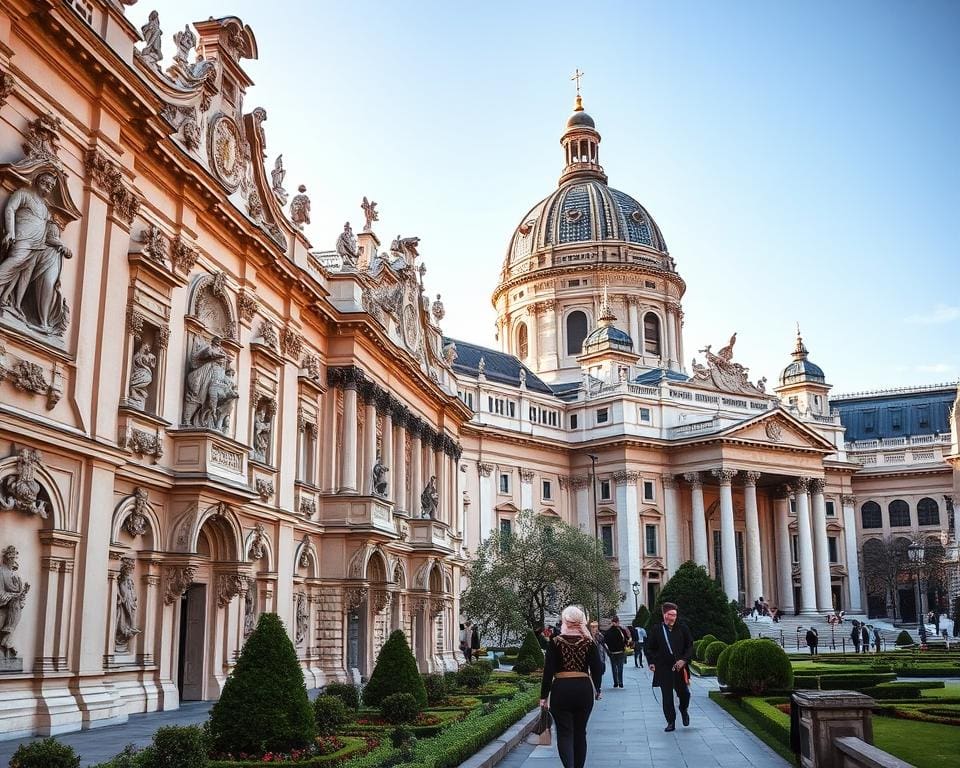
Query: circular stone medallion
{"x":226,"y":156}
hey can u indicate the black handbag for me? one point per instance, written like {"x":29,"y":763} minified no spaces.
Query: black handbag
{"x":542,"y":730}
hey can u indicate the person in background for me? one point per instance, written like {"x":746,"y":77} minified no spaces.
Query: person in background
{"x":638,"y":644}
{"x":571,"y":661}
{"x":855,"y":636}
{"x":616,"y":639}
{"x":602,"y":652}
{"x":812,"y":640}
{"x":466,"y":633}
{"x":865,"y":637}
{"x":475,"y":641}
{"x":876,"y":638}
{"x":669,"y":648}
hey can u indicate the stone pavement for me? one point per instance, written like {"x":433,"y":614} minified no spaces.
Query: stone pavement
{"x":626,"y":729}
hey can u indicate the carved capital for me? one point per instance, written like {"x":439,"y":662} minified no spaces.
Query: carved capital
{"x":526,"y":475}
{"x":353,"y":597}
{"x":694,"y":479}
{"x":155,"y":243}
{"x":485,"y":470}
{"x":628,"y":478}
{"x":800,"y":485}
{"x":178,"y":579}
{"x":184,"y":255}
{"x":135,"y":322}
{"x":108,"y":176}
{"x":725,"y":476}
{"x":781,"y":492}
{"x":816,"y":486}
{"x":291,"y":342}
{"x":848,"y":500}
{"x":228,"y":587}
{"x":247,"y":306}
{"x":669,"y":481}
{"x":750,"y":478}
{"x":579,"y":481}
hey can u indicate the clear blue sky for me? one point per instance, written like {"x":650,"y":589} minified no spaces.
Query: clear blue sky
{"x":802,"y":161}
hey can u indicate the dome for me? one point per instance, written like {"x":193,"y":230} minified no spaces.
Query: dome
{"x":584,"y":211}
{"x":802,"y":369}
{"x":580,"y":119}
{"x":608,"y":335}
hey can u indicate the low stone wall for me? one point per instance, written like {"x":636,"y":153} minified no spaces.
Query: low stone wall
{"x":856,"y":753}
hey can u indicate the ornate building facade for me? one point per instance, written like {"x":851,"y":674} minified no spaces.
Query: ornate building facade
{"x":199,"y":421}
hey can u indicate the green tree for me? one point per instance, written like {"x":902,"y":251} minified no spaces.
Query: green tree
{"x":703,"y":604}
{"x":264,"y":705}
{"x":395,"y":672}
{"x":518,"y":578}
{"x":642,"y":618}
{"x":530,"y":656}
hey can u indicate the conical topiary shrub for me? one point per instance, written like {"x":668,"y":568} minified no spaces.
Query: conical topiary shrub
{"x":396,"y":672}
{"x":642,"y":618}
{"x":264,"y":705}
{"x":530,"y":656}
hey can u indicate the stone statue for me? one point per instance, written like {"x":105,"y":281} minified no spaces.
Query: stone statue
{"x":300,"y":208}
{"x":13,"y":594}
{"x":144,"y":361}
{"x":430,"y":499}
{"x":185,"y":42}
{"x":450,"y":352}
{"x":277,"y":175}
{"x":126,"y":605}
{"x":249,"y":609}
{"x":481,"y":366}
{"x":523,"y":377}
{"x":437,"y":310}
{"x":33,"y":258}
{"x":21,"y":491}
{"x":369,"y":213}
{"x":380,"y":478}
{"x":153,"y":37}
{"x":347,"y":248}
{"x":261,"y":433}
{"x":303,"y":618}
{"x":210,"y":389}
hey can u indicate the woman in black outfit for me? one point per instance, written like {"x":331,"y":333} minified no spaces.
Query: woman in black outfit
{"x":571,"y":661}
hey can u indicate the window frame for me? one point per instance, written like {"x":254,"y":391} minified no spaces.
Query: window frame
{"x":606,"y":493}
{"x":604,"y":530}
{"x":874,"y":509}
{"x":652,"y":496}
{"x":902,"y":512}
{"x":649,"y":528}
{"x":501,"y":476}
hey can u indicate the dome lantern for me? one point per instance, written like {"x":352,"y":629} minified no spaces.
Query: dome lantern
{"x":581,"y":143}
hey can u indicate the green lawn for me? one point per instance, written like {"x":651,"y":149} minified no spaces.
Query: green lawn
{"x":925,"y":745}
{"x":949,"y":690}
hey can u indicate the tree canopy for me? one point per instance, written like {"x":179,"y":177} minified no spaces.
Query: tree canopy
{"x":517,"y":579}
{"x":703,"y":604}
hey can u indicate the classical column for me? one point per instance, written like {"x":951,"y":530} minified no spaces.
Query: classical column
{"x":752,"y":525}
{"x":628,"y":535}
{"x":526,"y":489}
{"x":781,"y":513}
{"x":533,"y":335}
{"x":850,"y":548}
{"x":369,"y":440}
{"x":728,"y":538}
{"x":671,"y":348}
{"x":698,"y":519}
{"x":821,"y":553}
{"x":671,"y":523}
{"x":486,"y":500}
{"x":808,"y":594}
{"x":348,"y":449}
{"x":386,"y":448}
{"x":634,"y":322}
{"x":680,"y":357}
{"x":327,"y":449}
{"x":399,"y":470}
{"x":416,"y":475}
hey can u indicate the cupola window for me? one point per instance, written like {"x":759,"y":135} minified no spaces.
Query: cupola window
{"x":651,"y":334}
{"x":576,"y":332}
{"x":522,"y":342}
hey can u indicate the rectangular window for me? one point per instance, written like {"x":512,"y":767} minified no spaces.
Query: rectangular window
{"x":645,"y":415}
{"x":603,"y":415}
{"x":648,"y":490}
{"x":793,"y":506}
{"x":923,"y":416}
{"x":605,"y":490}
{"x":606,"y":540}
{"x":831,"y":508}
{"x":533,"y":413}
{"x":512,"y":406}
{"x":506,"y":526}
{"x":832,"y":548}
{"x":896,"y":418}
{"x":650,"y":535}
{"x":547,"y":490}
{"x":869,"y":420}
{"x":795,"y":548}
{"x":573,"y":421}
{"x":504,"y":483}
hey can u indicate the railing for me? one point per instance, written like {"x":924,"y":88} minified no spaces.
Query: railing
{"x":696,"y":427}
{"x":897,"y":442}
{"x":639,"y":389}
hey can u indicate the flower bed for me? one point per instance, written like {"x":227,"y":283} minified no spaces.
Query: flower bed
{"x":331,"y":751}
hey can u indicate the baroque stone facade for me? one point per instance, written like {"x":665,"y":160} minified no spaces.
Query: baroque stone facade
{"x":168,"y":391}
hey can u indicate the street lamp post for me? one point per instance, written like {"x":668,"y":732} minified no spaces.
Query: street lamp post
{"x":917,"y":552}
{"x":636,"y":596}
{"x":596,"y":528}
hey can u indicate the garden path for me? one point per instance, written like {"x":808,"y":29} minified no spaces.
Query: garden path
{"x":626,"y":729}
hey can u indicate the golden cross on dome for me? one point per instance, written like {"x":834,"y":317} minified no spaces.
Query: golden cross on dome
{"x":576,"y":76}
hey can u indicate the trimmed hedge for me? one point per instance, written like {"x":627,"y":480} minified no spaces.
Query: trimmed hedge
{"x":348,"y":693}
{"x":700,"y":646}
{"x":352,"y":746}
{"x":395,"y":672}
{"x":179,"y":747}
{"x":903,"y":638}
{"x":330,"y":714}
{"x":758,"y":666}
{"x":530,"y":656}
{"x":713,"y":652}
{"x":723,"y":665}
{"x":766,"y":724}
{"x":399,"y":708}
{"x":436,"y":688}
{"x":47,"y":753}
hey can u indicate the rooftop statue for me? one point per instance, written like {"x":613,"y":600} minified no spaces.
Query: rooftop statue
{"x":153,"y":37}
{"x":370,"y":213}
{"x":721,"y":373}
{"x":347,"y":248}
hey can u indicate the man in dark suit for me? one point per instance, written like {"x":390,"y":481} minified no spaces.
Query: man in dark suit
{"x":669,"y":647}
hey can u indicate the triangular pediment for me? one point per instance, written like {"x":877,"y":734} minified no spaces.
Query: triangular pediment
{"x":779,"y":428}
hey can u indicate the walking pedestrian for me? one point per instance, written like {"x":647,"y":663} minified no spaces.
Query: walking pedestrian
{"x":639,"y":644}
{"x":865,"y":637}
{"x":669,"y":648}
{"x":812,"y":640}
{"x":466,"y":633}
{"x":876,"y":638}
{"x":475,"y":641}
{"x":616,"y":639}
{"x":855,"y":636}
{"x":602,"y":653}
{"x":572,"y":659}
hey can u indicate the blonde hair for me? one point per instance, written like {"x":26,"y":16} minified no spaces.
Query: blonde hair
{"x":574,"y":622}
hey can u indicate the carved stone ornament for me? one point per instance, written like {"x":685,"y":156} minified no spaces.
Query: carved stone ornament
{"x":268,"y":334}
{"x":721,"y":373}
{"x":311,"y":366}
{"x":178,"y":579}
{"x":20,"y":491}
{"x":142,"y":443}
{"x":141,"y":376}
{"x":381,"y":599}
{"x":774,"y":431}
{"x":437,"y":310}
{"x":228,"y":587}
{"x":304,"y":561}
{"x":347,"y":247}
{"x":264,"y":488}
{"x":485,"y":470}
{"x":370,"y":214}
{"x":353,"y":597}
{"x":277,"y":175}
{"x":126,"y":627}
{"x":183,"y":255}
{"x":300,"y":208}
{"x":7,"y":85}
{"x":526,"y":475}
{"x":694,"y":479}
{"x":27,"y":376}
{"x":724,"y":475}
{"x":308,"y":508}
{"x":155,"y":243}
{"x":225,"y":145}
{"x":152,"y":52}
{"x":302,"y":618}
{"x":14,"y":591}
{"x":247,"y":306}
{"x":109,"y":177}
{"x":258,"y":545}
{"x":437,"y":606}
{"x":211,"y":390}
{"x":137,"y":521}
{"x":291,"y":342}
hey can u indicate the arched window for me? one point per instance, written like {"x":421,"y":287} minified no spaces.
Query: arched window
{"x":870,"y":515}
{"x":928,"y":512}
{"x":651,"y":334}
{"x":576,"y":332}
{"x":522,"y":346}
{"x":899,"y":512}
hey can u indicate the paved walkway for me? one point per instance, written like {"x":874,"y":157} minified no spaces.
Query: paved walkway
{"x":626,"y":729}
